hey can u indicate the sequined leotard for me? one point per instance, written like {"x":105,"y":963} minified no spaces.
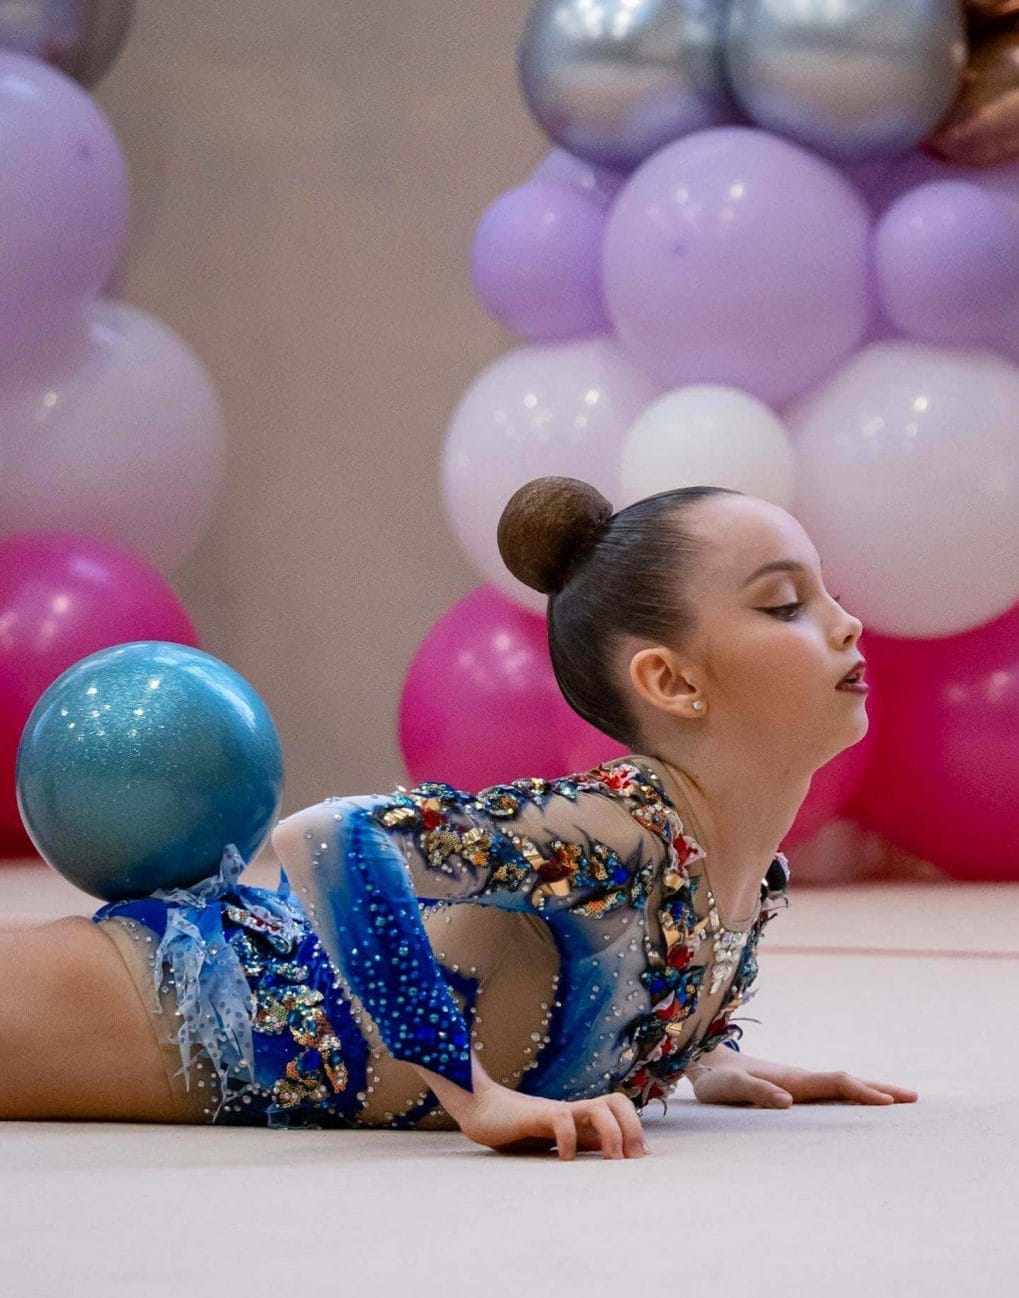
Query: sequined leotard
{"x":571,"y":911}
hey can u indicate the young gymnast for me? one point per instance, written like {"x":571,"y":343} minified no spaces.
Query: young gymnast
{"x":534,"y":962}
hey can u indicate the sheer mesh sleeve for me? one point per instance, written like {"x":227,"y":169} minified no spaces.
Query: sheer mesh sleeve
{"x":361,"y":865}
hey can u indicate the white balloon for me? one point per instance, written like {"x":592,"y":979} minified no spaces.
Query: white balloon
{"x":708,"y":435}
{"x":908,"y":485}
{"x":549,"y":409}
{"x":116,"y":434}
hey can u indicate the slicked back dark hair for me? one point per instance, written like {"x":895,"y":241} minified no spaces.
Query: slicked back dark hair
{"x":607,"y":576}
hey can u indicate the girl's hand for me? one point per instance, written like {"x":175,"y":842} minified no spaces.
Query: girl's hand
{"x":513,"y":1123}
{"x":745,"y":1080}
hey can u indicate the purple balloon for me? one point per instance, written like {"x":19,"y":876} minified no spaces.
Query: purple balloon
{"x":947,"y":259}
{"x":883,"y":181}
{"x":599,"y":183}
{"x":735,"y":256}
{"x":536,"y":260}
{"x":64,"y":199}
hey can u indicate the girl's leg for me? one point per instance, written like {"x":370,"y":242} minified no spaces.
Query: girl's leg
{"x":76,"y":1041}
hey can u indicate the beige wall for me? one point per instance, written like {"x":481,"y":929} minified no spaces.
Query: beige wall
{"x":306,"y":181}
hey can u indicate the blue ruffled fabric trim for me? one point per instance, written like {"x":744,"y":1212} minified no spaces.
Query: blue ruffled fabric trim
{"x":214,"y":998}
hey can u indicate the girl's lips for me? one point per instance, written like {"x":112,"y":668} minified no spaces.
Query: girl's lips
{"x":861,"y":687}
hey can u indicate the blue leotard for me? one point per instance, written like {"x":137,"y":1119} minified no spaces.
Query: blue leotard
{"x":296,"y":994}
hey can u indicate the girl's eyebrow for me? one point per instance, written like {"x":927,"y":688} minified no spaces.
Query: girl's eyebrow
{"x":777,"y":565}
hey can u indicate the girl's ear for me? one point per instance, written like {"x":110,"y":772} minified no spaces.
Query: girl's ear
{"x":656,"y":677}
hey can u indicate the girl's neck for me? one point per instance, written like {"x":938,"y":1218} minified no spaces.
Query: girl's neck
{"x":737,"y":853}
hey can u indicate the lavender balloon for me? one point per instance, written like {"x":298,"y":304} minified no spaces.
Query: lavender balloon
{"x":536,"y":261}
{"x":64,"y":199}
{"x":733,"y":256}
{"x":947,"y":259}
{"x":884,"y":182}
{"x":601,"y":184}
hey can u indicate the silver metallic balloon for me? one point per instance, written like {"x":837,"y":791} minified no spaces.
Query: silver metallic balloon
{"x":614,"y":80}
{"x":855,"y":79}
{"x":81,"y":37}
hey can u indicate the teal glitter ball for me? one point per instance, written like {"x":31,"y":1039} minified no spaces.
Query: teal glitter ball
{"x":141,"y":762}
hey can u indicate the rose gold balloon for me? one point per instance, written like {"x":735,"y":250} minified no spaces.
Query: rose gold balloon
{"x":992,"y":8}
{"x":982,"y":126}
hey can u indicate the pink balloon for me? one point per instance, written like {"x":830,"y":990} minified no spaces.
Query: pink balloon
{"x":832,"y":787}
{"x":480,"y":704}
{"x":943,"y":779}
{"x":63,"y":597}
{"x":584,"y":746}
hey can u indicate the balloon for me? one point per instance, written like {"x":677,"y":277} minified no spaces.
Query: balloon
{"x":844,"y":852}
{"x":705,"y":435}
{"x":736,"y":257}
{"x":992,"y":10}
{"x":947,"y":257}
{"x":82,"y":37}
{"x":909,"y":486}
{"x":480,"y":704}
{"x":834,"y":784}
{"x":61,"y":598}
{"x":117,"y":434}
{"x":537,"y":261}
{"x":582,"y":745}
{"x":943,"y":778}
{"x":558,"y":408}
{"x":64,"y":198}
{"x":841,"y":852}
{"x":983,"y":126}
{"x":14,"y":841}
{"x":863,"y":80}
{"x":601,"y":184}
{"x":884,"y":182}
{"x":142,"y":763}
{"x":614,"y":82}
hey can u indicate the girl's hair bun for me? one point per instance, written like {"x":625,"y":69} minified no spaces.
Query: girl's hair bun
{"x":546,"y":526}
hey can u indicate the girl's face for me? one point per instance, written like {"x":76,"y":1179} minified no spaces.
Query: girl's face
{"x":770,"y":647}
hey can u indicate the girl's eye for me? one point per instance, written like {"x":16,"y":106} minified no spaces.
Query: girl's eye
{"x":792,"y":608}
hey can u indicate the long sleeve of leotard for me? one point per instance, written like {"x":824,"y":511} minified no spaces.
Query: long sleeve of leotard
{"x":361,"y":864}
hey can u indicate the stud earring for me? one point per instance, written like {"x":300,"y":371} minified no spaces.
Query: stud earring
{"x":698,"y":704}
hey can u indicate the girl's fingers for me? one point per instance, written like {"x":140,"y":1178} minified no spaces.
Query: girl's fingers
{"x":605,"y":1123}
{"x":901,"y":1094}
{"x":776,"y":1098}
{"x":843,"y":1086}
{"x":565,"y":1132}
{"x":634,"y":1145}
{"x":765,"y":1094}
{"x":853,"y":1088}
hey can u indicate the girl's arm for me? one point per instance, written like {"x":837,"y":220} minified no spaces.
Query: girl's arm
{"x":359,"y":865}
